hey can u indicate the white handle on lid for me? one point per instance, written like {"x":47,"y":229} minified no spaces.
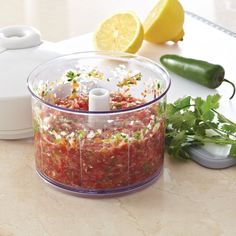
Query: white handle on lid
{"x":19,"y":37}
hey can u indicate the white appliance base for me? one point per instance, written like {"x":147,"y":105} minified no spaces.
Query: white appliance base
{"x":16,"y":134}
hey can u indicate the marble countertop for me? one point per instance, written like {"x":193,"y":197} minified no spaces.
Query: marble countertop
{"x":187,"y":199}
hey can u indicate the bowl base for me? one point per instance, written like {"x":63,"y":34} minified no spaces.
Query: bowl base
{"x":101,"y":193}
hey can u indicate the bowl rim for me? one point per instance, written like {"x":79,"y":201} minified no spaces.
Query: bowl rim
{"x":114,"y":54}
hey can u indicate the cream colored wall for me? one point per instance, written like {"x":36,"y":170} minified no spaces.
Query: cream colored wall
{"x":60,"y":19}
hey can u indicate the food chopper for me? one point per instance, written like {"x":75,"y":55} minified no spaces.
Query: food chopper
{"x":21,"y":50}
{"x":99,"y":122}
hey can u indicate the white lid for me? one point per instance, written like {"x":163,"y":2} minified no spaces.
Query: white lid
{"x":21,"y":50}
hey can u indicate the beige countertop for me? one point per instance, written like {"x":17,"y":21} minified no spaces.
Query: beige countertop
{"x":187,"y":199}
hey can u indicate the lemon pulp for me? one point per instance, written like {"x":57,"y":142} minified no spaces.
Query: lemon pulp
{"x":121,"y":32}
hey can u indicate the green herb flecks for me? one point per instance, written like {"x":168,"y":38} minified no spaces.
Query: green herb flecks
{"x":81,"y":134}
{"x":71,"y":75}
{"x":118,"y":137}
{"x":35,"y":126}
{"x":95,"y":74}
{"x":130,"y":80}
{"x":137,"y":135}
{"x":145,"y":130}
{"x":189,"y":119}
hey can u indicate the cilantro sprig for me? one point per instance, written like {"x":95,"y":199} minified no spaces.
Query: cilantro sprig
{"x":71,"y":75}
{"x":188,"y":122}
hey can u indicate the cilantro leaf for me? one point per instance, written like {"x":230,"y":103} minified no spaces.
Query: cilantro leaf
{"x":233,"y":151}
{"x":183,"y":103}
{"x":208,"y":115}
{"x":229,"y":128}
{"x":212,"y":102}
{"x":188,"y":122}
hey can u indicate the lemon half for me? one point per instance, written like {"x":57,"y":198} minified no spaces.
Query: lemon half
{"x":165,"y":22}
{"x":122,"y":31}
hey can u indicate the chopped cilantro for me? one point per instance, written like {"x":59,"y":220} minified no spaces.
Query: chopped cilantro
{"x":120,"y":137}
{"x":35,"y":126}
{"x":137,"y":135}
{"x":130,"y":80}
{"x":145,"y":130}
{"x":71,"y":75}
{"x":81,"y":133}
{"x":58,"y":140}
{"x":96,"y":74}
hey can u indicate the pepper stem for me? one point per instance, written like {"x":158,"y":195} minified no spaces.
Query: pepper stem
{"x":233,"y":87}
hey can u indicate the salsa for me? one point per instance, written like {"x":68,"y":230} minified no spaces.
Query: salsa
{"x":127,"y":151}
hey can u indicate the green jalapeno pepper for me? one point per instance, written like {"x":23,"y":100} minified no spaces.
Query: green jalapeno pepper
{"x":201,"y":72}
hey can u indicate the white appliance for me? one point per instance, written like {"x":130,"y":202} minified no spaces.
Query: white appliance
{"x":21,"y":50}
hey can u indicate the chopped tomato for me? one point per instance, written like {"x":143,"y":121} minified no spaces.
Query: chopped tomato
{"x":127,"y":152}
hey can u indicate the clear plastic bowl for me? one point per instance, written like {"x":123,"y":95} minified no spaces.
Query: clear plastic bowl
{"x":105,"y":152}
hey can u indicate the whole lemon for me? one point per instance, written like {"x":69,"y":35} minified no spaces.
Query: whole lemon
{"x":165,"y":22}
